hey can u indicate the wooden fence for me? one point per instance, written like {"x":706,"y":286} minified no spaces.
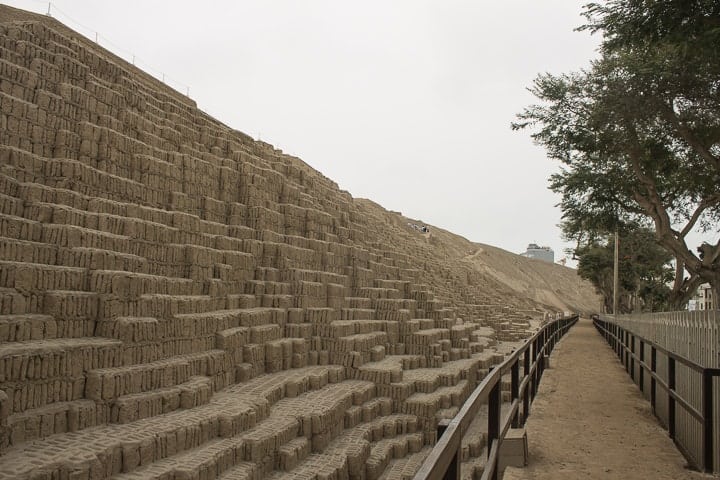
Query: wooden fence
{"x":680,"y":353}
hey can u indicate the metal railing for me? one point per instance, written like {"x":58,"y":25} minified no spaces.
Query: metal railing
{"x":698,"y":445}
{"x":444,"y":459}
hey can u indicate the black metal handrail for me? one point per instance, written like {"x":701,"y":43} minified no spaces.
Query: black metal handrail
{"x":444,"y":459}
{"x":623,"y":342}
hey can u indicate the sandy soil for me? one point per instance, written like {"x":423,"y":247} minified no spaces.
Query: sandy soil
{"x":592,"y":423}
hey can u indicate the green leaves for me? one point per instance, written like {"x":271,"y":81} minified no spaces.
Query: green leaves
{"x":644,"y":269}
{"x":638,"y":132}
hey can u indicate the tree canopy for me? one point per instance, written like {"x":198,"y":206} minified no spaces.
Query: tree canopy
{"x":644,"y":270}
{"x":638,"y":131}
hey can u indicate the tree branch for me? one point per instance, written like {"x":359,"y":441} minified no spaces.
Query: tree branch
{"x":688,"y":135}
{"x":702,"y":206}
{"x":652,"y":203}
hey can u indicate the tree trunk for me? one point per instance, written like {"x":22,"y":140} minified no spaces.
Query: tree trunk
{"x":714,"y":291}
{"x":679,"y":273}
{"x":678,"y":298}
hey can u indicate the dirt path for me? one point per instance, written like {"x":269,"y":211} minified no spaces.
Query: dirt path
{"x":589,"y":422}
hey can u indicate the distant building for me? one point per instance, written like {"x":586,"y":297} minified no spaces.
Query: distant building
{"x":703,"y":299}
{"x":545,"y":254}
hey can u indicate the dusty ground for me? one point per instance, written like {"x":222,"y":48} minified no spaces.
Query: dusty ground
{"x":592,"y":423}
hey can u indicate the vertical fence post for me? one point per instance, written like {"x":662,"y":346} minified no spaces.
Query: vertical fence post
{"x":494,"y":404}
{"x":543,"y":348}
{"x":441,"y":427}
{"x":533,"y":383}
{"x":626,"y":351}
{"x":707,"y":428}
{"x":528,"y":387}
{"x":671,"y":400}
{"x":559,"y":332}
{"x":653,"y":386}
{"x":538,"y":363}
{"x":515,"y":390}
{"x":632,"y":357}
{"x":608,"y":334}
{"x":453,"y":472}
{"x":642,"y":369}
{"x":616,"y":331}
{"x":616,"y":339}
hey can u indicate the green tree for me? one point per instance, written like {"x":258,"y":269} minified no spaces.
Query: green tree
{"x":638,"y":131}
{"x":644,"y":270}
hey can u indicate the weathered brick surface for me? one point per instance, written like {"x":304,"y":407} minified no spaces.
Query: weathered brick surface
{"x":180,"y":301}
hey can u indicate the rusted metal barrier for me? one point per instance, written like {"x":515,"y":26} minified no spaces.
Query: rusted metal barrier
{"x":699,"y":399}
{"x":444,"y":459}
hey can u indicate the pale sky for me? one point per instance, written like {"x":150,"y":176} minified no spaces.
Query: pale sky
{"x":407,"y":103}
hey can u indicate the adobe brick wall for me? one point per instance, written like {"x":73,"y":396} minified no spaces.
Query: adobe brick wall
{"x":180,"y":301}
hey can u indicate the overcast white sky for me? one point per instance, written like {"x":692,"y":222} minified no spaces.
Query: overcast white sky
{"x":407,"y":103}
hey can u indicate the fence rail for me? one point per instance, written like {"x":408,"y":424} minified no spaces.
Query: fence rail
{"x":444,"y":459}
{"x":677,"y":352}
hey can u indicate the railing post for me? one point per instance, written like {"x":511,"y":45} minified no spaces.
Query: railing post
{"x":616,"y":330}
{"x":632,"y":357}
{"x":625,"y":351}
{"x":441,"y":427}
{"x":707,"y":429}
{"x":608,"y":333}
{"x":533,"y":390}
{"x":543,"y":346}
{"x":642,"y":369}
{"x":615,"y":338}
{"x":653,"y":386}
{"x":528,"y":388}
{"x":515,"y":390}
{"x":623,"y":345}
{"x":539,"y":361}
{"x":671,"y":400}
{"x":494,"y":404}
{"x":453,"y":472}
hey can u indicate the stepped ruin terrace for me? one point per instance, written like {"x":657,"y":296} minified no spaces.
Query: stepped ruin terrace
{"x":180,"y":301}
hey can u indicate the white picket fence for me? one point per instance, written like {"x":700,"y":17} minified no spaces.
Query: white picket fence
{"x":695,"y":336}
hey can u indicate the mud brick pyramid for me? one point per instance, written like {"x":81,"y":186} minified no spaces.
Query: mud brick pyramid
{"x":179,"y":301}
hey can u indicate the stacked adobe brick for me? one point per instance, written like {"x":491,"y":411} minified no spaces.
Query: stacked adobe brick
{"x":180,"y":301}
